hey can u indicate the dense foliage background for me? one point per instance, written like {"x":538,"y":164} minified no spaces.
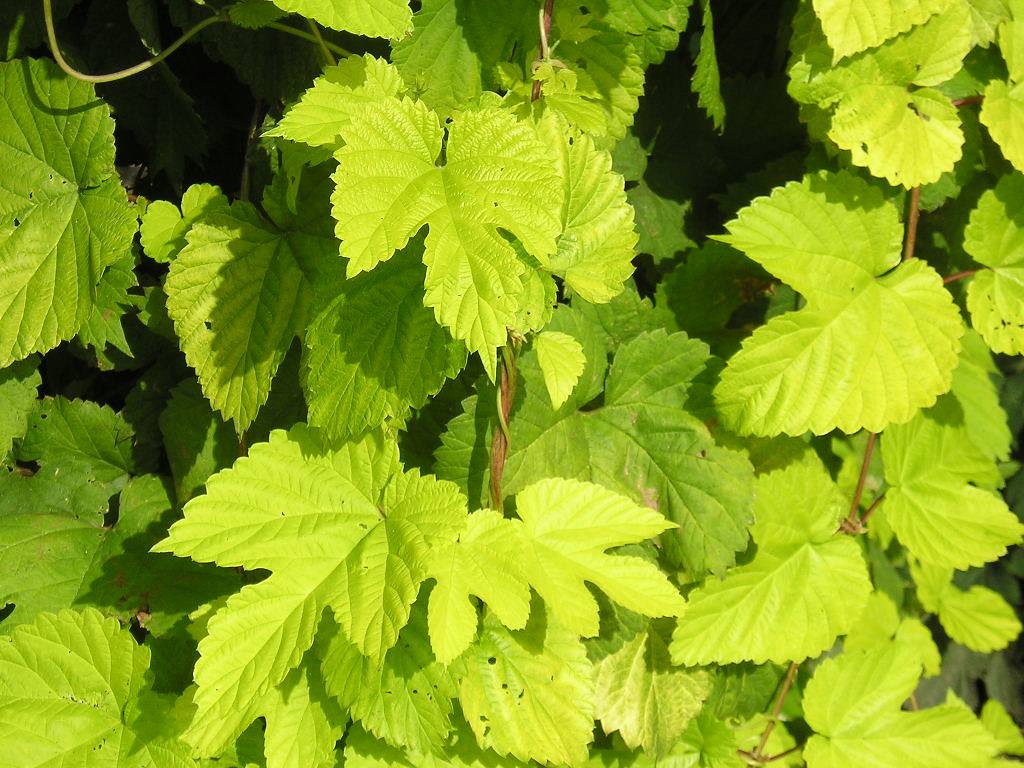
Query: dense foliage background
{"x":478,"y":382}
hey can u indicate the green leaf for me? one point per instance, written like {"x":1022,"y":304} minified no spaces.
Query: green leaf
{"x":64,"y":217}
{"x":343,"y":528}
{"x":55,"y":557}
{"x":326,"y":110}
{"x":802,"y":568}
{"x":867,"y":105}
{"x":69,"y":432}
{"x":373,"y":18}
{"x":875,"y":341}
{"x":196,"y":440}
{"x":67,"y":683}
{"x":659,"y":221}
{"x":705,"y":81}
{"x":930,"y":463}
{"x":999,"y":723}
{"x":853,"y":705}
{"x":496,"y":174}
{"x":404,"y":698}
{"x":975,"y":388}
{"x":855,"y":25}
{"x":1002,"y":112}
{"x":18,"y":388}
{"x":373,"y":351}
{"x":639,"y":694}
{"x":303,"y":723}
{"x":978,"y":618}
{"x":529,"y":693}
{"x":709,"y":743}
{"x":485,"y":563}
{"x":561,"y":360}
{"x":995,"y":237}
{"x":239,"y":294}
{"x":103,"y":327}
{"x":253,"y":14}
{"x":164,"y":226}
{"x":672,"y":463}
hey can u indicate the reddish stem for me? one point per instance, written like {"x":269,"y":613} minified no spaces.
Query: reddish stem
{"x":958,"y":276}
{"x":968,"y":100}
{"x":499,"y":443}
{"x":853,"y":523}
{"x":776,"y":710}
{"x":913,"y":214}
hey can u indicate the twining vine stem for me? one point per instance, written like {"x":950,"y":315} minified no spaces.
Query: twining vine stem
{"x":545,"y":47}
{"x":502,"y":439}
{"x":121,"y":74}
{"x":913,"y":214}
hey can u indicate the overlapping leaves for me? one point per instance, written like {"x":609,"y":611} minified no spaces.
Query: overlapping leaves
{"x":875,"y":341}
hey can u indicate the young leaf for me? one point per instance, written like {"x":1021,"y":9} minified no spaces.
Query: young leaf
{"x":566,"y":526}
{"x":496,"y":174}
{"x":802,"y":568}
{"x":164,"y":226}
{"x":853,"y":704}
{"x":561,"y":361}
{"x":995,"y":237}
{"x":852,"y":26}
{"x":326,"y":110}
{"x":529,"y":693}
{"x":598,"y":240}
{"x":639,"y":694}
{"x":485,"y":563}
{"x":930,"y":463}
{"x":873,"y":344}
{"x":64,"y":217}
{"x":344,"y":528}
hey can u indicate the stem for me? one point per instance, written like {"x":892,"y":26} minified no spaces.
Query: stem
{"x":958,"y":276}
{"x":545,"y":48}
{"x":243,"y":444}
{"x":252,"y":136}
{"x":853,"y":523}
{"x":328,"y":56}
{"x":51,"y":34}
{"x":776,"y":710}
{"x":871,"y":510}
{"x":309,"y":37}
{"x":968,"y":100}
{"x":502,"y":439}
{"x":912,"y":216}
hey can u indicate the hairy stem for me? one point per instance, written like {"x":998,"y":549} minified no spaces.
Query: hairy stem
{"x":773,"y":718}
{"x":315,"y":30}
{"x":51,"y":34}
{"x":309,"y":37}
{"x":545,"y":47}
{"x":502,"y":439}
{"x":958,"y":276}
{"x":913,"y":214}
{"x":853,"y":522}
